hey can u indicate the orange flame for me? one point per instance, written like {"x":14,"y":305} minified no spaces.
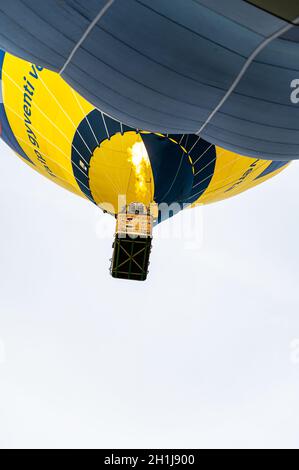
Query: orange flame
{"x":140,"y":163}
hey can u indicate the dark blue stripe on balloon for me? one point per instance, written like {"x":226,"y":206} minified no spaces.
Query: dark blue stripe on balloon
{"x":172,"y":172}
{"x":91,"y":132}
{"x":112,"y":126}
{"x":171,"y":169}
{"x":203,"y":156}
{"x":2,"y":55}
{"x":274,"y":166}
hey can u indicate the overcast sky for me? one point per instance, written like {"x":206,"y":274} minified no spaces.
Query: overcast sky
{"x":204,"y":354}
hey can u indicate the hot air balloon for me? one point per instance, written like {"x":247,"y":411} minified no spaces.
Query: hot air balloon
{"x":220,"y":69}
{"x":131,"y":174}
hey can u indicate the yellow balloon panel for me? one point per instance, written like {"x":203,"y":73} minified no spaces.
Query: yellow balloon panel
{"x":44,"y":113}
{"x":234,"y":174}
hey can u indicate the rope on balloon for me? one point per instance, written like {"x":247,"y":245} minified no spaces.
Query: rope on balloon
{"x":86,"y":33}
{"x":105,"y":125}
{"x":85,"y":115}
{"x":266,"y":41}
{"x":178,"y":171}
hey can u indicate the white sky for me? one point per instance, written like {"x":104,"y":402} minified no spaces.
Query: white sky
{"x":199,"y":356}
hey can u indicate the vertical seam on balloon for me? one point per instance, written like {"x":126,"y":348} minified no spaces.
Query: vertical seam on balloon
{"x":85,"y":116}
{"x":104,"y":122}
{"x":178,"y":170}
{"x":243,"y":71}
{"x":86,"y":34}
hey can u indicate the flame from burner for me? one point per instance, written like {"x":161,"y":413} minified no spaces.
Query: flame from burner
{"x":140,"y":164}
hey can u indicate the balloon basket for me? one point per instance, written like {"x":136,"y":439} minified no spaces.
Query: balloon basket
{"x":132,"y":244}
